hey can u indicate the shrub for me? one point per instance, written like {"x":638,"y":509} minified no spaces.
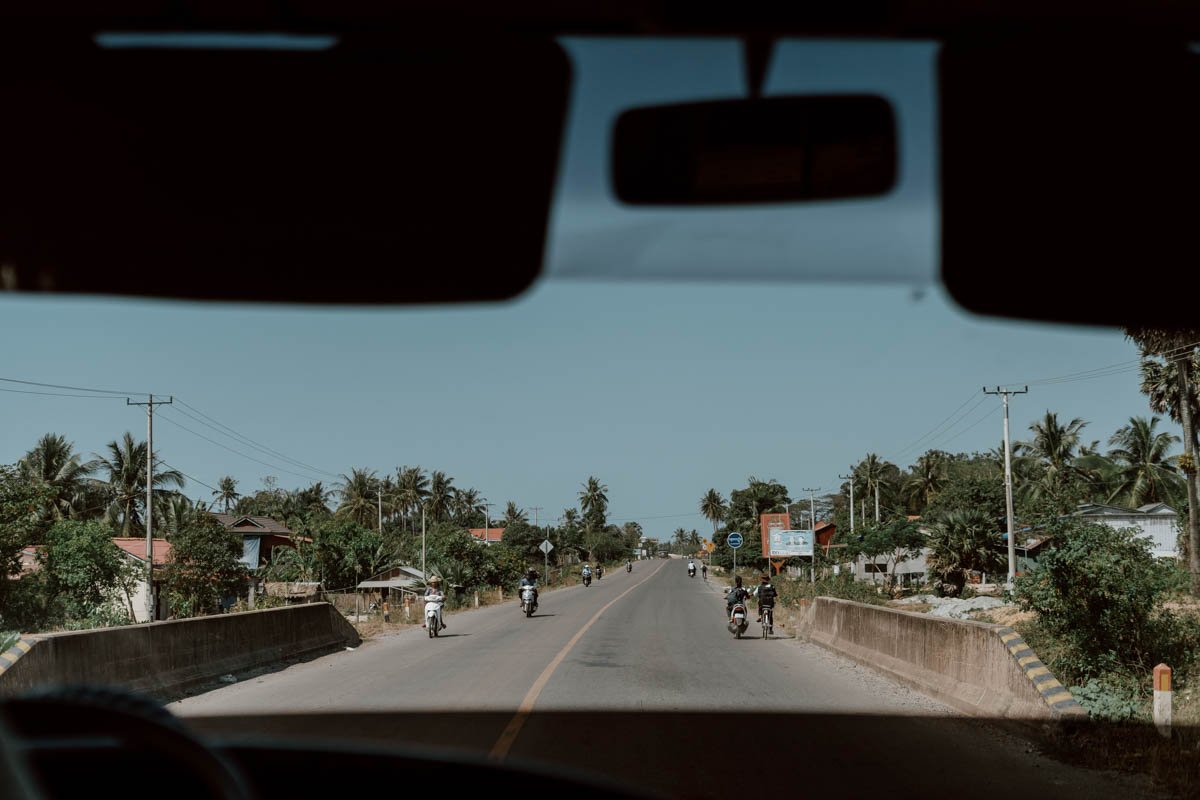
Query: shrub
{"x":1098,"y":592}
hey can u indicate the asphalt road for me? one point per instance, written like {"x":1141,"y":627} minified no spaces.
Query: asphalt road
{"x":636,"y":678}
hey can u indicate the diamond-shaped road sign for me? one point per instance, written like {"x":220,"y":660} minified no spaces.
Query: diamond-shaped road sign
{"x":545,"y":546}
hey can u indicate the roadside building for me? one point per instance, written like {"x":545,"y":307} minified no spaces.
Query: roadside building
{"x":488,"y":536}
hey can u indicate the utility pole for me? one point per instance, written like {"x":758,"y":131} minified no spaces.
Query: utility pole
{"x":1008,"y":489}
{"x":379,"y":494}
{"x":850,"y":477}
{"x":150,"y":404}
{"x":423,"y":575}
{"x":535,"y":510}
{"x":812,"y":524}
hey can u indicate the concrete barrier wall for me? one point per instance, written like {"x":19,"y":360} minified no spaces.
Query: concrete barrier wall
{"x":165,"y":658}
{"x":986,"y":670}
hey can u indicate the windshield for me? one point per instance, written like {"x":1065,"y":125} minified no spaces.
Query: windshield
{"x":782,"y":395}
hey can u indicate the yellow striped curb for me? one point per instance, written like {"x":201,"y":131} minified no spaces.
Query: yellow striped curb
{"x":1053,"y":693}
{"x":10,"y":656}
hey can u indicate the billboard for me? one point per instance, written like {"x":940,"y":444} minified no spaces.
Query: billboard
{"x":770,"y":523}
{"x":788,"y":543}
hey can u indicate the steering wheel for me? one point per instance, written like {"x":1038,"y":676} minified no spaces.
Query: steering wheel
{"x":45,"y":733}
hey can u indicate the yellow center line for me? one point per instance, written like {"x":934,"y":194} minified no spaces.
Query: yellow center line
{"x":505,"y":742}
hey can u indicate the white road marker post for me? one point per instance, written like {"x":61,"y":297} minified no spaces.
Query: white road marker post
{"x":1162,"y":700}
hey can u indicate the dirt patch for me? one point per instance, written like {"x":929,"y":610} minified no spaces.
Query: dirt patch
{"x":1006,"y":615}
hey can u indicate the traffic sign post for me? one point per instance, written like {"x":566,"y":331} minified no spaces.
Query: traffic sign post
{"x":546,"y":547}
{"x":734,"y":541}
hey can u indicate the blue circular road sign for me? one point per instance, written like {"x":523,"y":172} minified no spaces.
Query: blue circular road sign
{"x":734,"y":540}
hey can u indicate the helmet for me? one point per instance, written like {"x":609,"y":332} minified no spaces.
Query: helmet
{"x":531,"y":573}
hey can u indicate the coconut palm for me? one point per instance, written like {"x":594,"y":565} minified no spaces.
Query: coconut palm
{"x":962,"y":541}
{"x":712,"y":506}
{"x":174,"y":512}
{"x":468,"y":507}
{"x":513,"y":514}
{"x":412,"y":487}
{"x":313,"y":501}
{"x":357,"y":492}
{"x":593,"y":501}
{"x":1178,"y":347}
{"x":877,"y":475}
{"x":125,"y":468}
{"x":53,"y":464}
{"x":226,"y":492}
{"x":1143,"y":470}
{"x":926,"y":480}
{"x":441,"y":495}
{"x":1050,"y":461}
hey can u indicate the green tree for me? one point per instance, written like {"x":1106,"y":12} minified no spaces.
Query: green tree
{"x":1098,"y":590}
{"x":712,"y":506}
{"x":747,"y":505}
{"x":53,"y":463}
{"x":204,"y":568}
{"x":125,"y":467}
{"x":440,"y":497}
{"x":412,"y":487}
{"x":226,"y":492}
{"x":359,"y":498}
{"x":895,"y":542}
{"x":1144,"y":472}
{"x":513,"y":514}
{"x":469,"y":510}
{"x":20,"y":525}
{"x":1052,"y":462}
{"x":925,"y":481}
{"x":963,"y":541}
{"x":593,"y":501}
{"x":88,"y":575}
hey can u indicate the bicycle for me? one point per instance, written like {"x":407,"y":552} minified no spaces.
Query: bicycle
{"x":768,"y":621}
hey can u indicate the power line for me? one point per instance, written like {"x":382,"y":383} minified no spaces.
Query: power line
{"x":237,"y":452}
{"x":189,"y":477}
{"x":942,"y":427}
{"x":69,"y":388}
{"x":62,"y":394}
{"x":247,"y":440}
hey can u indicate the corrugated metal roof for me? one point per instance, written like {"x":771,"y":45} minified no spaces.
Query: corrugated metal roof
{"x":245,"y":523}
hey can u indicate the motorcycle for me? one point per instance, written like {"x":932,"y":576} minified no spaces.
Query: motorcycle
{"x":527,"y":602}
{"x":587,"y":579}
{"x":629,"y":567}
{"x":691,"y":572}
{"x":737,"y":620}
{"x":599,"y":573}
{"x":433,"y":613}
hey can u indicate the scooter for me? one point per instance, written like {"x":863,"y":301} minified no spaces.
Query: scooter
{"x":527,"y":603}
{"x":629,"y":567}
{"x":433,"y":614}
{"x":587,"y":579}
{"x":737,"y":620}
{"x":691,"y":572}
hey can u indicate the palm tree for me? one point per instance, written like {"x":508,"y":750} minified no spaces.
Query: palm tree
{"x":927,"y":479}
{"x":1052,"y":459}
{"x":441,"y":494}
{"x":226,"y":492}
{"x":876,"y":475}
{"x":468,"y":503}
{"x":53,"y":464}
{"x":174,"y":512}
{"x":125,"y":465}
{"x":962,"y":541}
{"x":1178,"y":347}
{"x":1143,"y":472}
{"x":713,"y":507}
{"x":358,"y":496}
{"x":679,"y":539}
{"x":513,"y":515}
{"x":593,"y":501}
{"x":313,"y":501}
{"x":412,"y":487}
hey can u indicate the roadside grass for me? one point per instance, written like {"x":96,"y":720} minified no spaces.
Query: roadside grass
{"x":8,"y":639}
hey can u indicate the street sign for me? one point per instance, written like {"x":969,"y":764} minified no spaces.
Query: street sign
{"x":790,"y":543}
{"x":734,"y":540}
{"x":545,"y":546}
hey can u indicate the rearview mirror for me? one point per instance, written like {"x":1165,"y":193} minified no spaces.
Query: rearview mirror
{"x":774,"y":150}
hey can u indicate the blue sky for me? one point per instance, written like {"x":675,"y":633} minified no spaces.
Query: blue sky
{"x":613,"y":366}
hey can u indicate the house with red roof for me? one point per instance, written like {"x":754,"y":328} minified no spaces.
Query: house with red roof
{"x":488,"y":536}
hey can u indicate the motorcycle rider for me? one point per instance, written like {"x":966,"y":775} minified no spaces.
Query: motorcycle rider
{"x":434,"y":589}
{"x":629,"y":566}
{"x":737,"y":594}
{"x":586,"y":572}
{"x":766,"y":595}
{"x":530,"y":579}
{"x":691,"y":568}
{"x":599,"y":571}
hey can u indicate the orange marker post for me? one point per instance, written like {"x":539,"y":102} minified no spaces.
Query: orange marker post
{"x":1162,"y":700}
